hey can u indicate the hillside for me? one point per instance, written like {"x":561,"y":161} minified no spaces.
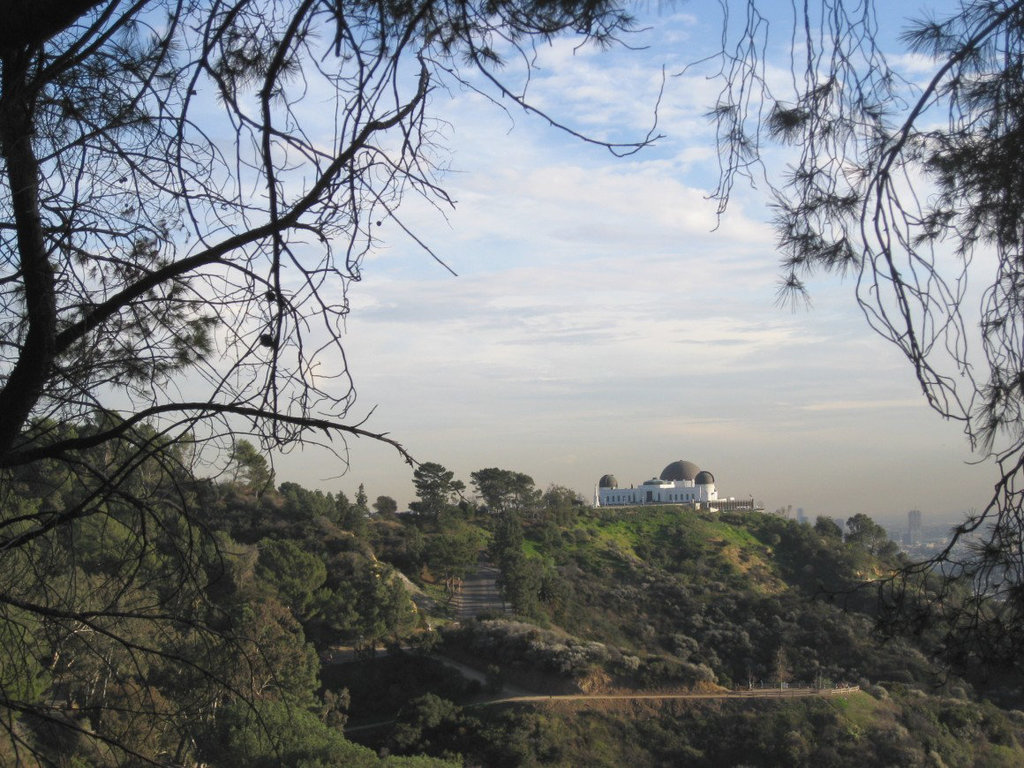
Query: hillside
{"x":312,"y":632}
{"x":665,"y":598}
{"x":751,"y":596}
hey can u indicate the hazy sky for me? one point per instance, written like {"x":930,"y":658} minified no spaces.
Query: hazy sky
{"x":601,"y":322}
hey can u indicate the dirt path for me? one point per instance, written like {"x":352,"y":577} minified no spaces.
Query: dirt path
{"x":774,"y":693}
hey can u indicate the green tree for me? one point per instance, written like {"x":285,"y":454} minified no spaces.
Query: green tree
{"x":562,"y":505}
{"x":508,"y":536}
{"x":904,"y":179}
{"x":828,"y":528}
{"x":863,"y":532}
{"x":385,"y":506}
{"x":361,"y":506}
{"x":427,"y":724}
{"x":304,"y":505}
{"x":504,"y":490}
{"x":274,"y":734}
{"x":251,"y":468}
{"x":383,"y":606}
{"x":296,"y":575}
{"x":520,"y":582}
{"x":350,"y":516}
{"x":342,"y":511}
{"x":453,"y":553}
{"x":437,"y":490}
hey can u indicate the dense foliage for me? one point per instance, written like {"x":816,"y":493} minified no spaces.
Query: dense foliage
{"x":295,"y":593}
{"x":679,"y":596}
{"x":669,"y":598}
{"x":197,"y":637}
{"x":906,"y":728}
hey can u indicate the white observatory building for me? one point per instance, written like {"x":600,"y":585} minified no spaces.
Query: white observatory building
{"x":681,"y":482}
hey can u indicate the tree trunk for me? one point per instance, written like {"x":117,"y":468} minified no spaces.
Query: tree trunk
{"x":29,"y":23}
{"x":24,"y":385}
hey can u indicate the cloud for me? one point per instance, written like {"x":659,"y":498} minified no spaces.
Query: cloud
{"x":604,"y":319}
{"x":861,"y":405}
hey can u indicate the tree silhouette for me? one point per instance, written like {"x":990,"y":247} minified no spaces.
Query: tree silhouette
{"x":910,"y":187}
{"x":186,"y":192}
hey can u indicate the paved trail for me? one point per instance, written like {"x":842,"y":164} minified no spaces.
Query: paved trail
{"x":479,"y":594}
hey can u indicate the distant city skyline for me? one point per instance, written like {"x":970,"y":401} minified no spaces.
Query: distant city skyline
{"x":604,"y":320}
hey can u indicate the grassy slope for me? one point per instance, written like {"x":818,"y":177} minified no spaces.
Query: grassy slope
{"x":745,"y":587}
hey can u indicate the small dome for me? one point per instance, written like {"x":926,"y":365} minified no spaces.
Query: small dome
{"x":704,"y":478}
{"x":653,"y":481}
{"x":680,"y":470}
{"x":608,"y":481}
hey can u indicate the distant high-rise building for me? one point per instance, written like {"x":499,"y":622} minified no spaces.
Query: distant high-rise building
{"x":914,"y":526}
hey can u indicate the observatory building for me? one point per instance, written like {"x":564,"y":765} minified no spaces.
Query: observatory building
{"x":681,"y":482}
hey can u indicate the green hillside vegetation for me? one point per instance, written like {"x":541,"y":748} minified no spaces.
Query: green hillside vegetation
{"x":916,"y":731}
{"x":668,"y":598}
{"x":751,"y":596}
{"x":322,"y":631}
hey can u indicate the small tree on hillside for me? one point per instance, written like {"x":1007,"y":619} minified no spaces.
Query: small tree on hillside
{"x":251,"y":468}
{"x":385,"y":506}
{"x":504,"y":491}
{"x":437,"y":489}
{"x":562,"y":505}
{"x":863,"y":532}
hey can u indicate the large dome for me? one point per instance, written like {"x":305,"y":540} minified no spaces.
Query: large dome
{"x":704,"y":478}
{"x":608,"y":481}
{"x":680,"y":470}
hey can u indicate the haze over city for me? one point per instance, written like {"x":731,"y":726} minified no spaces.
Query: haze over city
{"x":603,"y":319}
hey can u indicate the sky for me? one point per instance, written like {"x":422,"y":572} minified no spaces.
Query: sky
{"x":604,"y":320}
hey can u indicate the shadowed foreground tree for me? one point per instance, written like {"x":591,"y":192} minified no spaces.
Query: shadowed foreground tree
{"x":914,"y":188}
{"x":186,"y":190}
